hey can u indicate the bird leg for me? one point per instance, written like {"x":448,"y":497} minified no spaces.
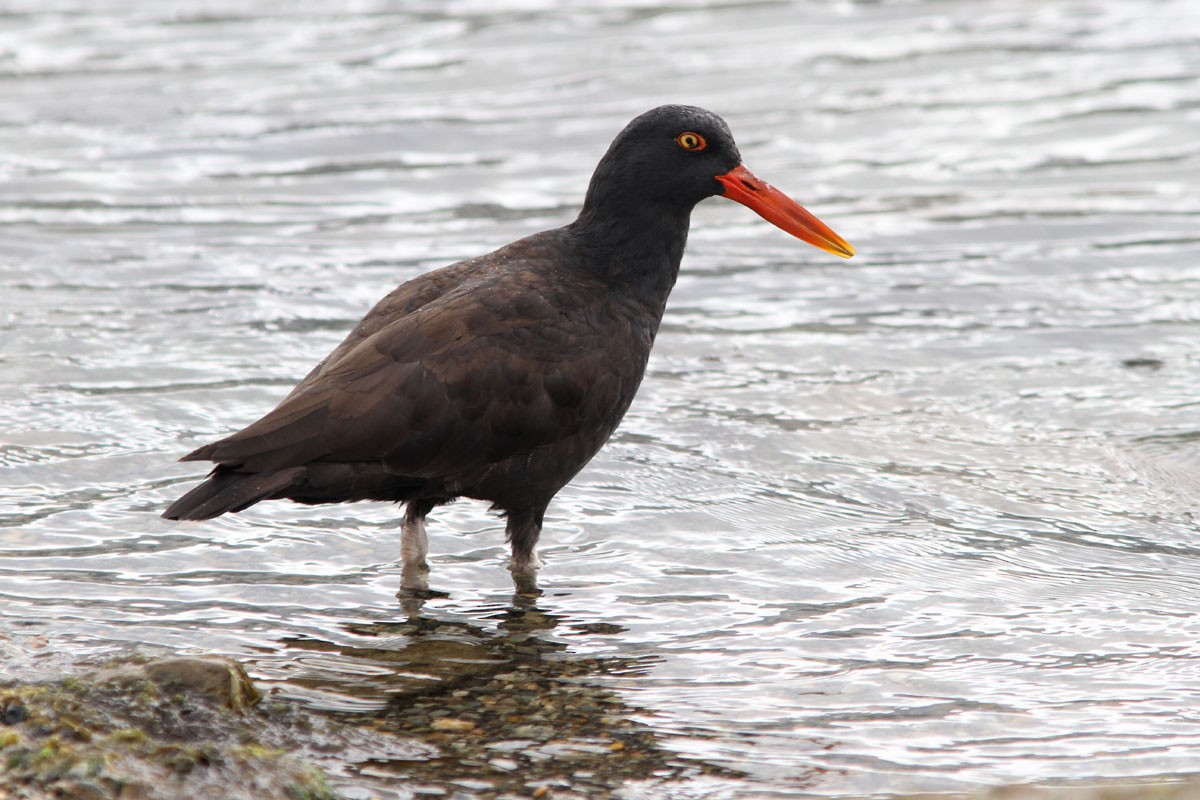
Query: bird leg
{"x":522,"y":532}
{"x":414,"y":546}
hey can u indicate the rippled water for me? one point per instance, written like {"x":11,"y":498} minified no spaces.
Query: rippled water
{"x":920,"y":521}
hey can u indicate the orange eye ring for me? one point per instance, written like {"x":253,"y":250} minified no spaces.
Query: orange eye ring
{"x":689,"y":140}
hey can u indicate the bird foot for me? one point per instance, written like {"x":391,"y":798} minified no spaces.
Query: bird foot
{"x":524,"y":573}
{"x":414,"y":542}
{"x":414,"y":577}
{"x":525,"y":562}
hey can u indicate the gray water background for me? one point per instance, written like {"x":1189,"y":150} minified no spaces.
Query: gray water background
{"x":924,"y":520}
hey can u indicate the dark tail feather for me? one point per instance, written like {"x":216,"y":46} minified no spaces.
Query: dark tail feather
{"x":227,"y":490}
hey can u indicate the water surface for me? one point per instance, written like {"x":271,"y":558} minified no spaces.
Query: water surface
{"x":920,"y":521}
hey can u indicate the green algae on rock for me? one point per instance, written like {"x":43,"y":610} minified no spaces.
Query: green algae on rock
{"x":161,"y":730}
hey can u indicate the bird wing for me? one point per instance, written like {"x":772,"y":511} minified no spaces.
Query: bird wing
{"x":468,"y":378}
{"x":404,"y":299}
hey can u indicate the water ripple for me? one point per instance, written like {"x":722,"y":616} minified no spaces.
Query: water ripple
{"x":918,"y":522}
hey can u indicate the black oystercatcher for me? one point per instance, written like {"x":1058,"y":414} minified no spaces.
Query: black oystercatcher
{"x":500,"y":377}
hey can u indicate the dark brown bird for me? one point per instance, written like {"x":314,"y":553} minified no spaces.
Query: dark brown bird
{"x":500,"y":377}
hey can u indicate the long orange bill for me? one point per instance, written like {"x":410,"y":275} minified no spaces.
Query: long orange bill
{"x":781,"y":211}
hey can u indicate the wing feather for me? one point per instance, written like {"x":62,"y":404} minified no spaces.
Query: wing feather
{"x":437,"y":381}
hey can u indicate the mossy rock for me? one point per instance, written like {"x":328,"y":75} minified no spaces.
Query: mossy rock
{"x":162,"y":730}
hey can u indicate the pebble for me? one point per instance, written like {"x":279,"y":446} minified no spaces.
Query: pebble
{"x":538,"y":733}
{"x":452,"y":725}
{"x":15,"y":714}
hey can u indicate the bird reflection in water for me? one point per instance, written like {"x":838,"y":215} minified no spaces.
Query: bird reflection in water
{"x":501,"y":701}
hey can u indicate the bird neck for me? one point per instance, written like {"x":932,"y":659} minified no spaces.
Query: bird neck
{"x":633,"y":244}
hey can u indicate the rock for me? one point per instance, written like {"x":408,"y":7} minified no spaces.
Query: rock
{"x":452,"y":725}
{"x":538,"y":733}
{"x":221,"y":681}
{"x":14,"y":713}
{"x":150,"y":731}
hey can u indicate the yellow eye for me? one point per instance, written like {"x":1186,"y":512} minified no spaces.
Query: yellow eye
{"x":691,"y":141}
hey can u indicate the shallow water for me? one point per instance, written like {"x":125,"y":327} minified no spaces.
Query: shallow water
{"x":920,"y":521}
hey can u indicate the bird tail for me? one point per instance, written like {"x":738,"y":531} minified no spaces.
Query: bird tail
{"x":227,"y":490}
